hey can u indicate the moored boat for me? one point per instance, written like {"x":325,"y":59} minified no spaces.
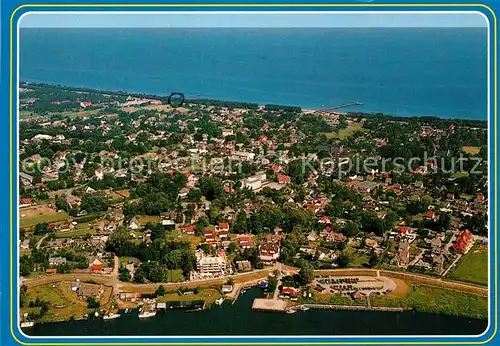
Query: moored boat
{"x":111,"y":316}
{"x":147,"y":314}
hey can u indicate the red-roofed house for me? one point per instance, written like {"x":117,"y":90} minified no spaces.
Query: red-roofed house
{"x":223,"y":234}
{"x":283,"y":179}
{"x":189,"y":229}
{"x":430,"y":215}
{"x":25,"y":202}
{"x":245,"y":242}
{"x":99,"y":174}
{"x":85,"y":104}
{"x":464,"y":242}
{"x":223,"y":226}
{"x":209,"y":234}
{"x":324,"y":220}
{"x":290,"y":291}
{"x":335,"y":237}
{"x":480,"y":197}
{"x":96,"y":266}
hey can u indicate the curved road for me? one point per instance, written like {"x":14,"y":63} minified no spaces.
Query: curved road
{"x":120,"y":286}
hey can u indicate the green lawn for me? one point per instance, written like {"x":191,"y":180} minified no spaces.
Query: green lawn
{"x":176,"y":234}
{"x":437,"y":300}
{"x":209,"y":295}
{"x":174,"y":275}
{"x":124,"y":260}
{"x":147,"y":218}
{"x":75,"y":233}
{"x":46,"y":217}
{"x":344,"y":133}
{"x":328,"y":298}
{"x":472,"y":267}
{"x":356,"y":259}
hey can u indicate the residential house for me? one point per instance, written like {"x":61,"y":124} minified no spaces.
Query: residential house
{"x":134,"y":223}
{"x":243,"y":265}
{"x":56,"y":261}
{"x":436,"y":244}
{"x":464,"y":242}
{"x":269,"y":252}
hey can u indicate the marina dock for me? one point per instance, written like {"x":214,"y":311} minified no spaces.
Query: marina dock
{"x":262,"y":304}
{"x":349,"y":307}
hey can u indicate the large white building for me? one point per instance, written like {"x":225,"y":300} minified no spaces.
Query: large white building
{"x":255,"y":181}
{"x":210,"y":266}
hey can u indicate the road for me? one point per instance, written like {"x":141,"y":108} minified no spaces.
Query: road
{"x":451,"y":265}
{"x":39,"y":242}
{"x":120,"y":286}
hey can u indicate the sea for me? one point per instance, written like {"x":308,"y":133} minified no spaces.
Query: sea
{"x":239,"y":319}
{"x":399,"y":71}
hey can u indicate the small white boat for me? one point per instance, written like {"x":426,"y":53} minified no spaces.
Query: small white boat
{"x":111,"y":316}
{"x":147,"y":314}
{"x":219,"y":301}
{"x":96,"y":314}
{"x":27,"y":324}
{"x":304,"y":308}
{"x":291,"y":311}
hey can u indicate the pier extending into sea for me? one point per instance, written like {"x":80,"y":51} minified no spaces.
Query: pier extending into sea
{"x":349,"y":307}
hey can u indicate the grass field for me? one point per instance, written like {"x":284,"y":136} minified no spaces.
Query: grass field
{"x":471,"y":149}
{"x":178,"y":235}
{"x":124,"y":260}
{"x":328,"y":298}
{"x":175,"y":275}
{"x":344,"y":133}
{"x":75,"y":233}
{"x":209,"y":295}
{"x":356,"y":259}
{"x":472,"y":267}
{"x":143,"y":219}
{"x":40,"y":214}
{"x":80,"y":113}
{"x":60,"y":294}
{"x":115,"y":197}
{"x":437,"y":300}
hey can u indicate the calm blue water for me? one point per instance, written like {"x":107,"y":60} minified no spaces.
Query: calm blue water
{"x":239,"y":319}
{"x":432,"y":71}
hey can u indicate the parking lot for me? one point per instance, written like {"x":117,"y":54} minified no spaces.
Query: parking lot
{"x":351,"y":284}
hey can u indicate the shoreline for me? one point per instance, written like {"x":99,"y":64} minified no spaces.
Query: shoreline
{"x":202,"y":100}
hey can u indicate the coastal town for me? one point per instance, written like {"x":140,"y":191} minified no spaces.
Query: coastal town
{"x":129,"y":202}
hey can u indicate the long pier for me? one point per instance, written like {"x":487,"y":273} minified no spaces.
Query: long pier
{"x":349,"y":104}
{"x":349,"y":307}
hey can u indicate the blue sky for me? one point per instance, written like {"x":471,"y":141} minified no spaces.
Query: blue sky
{"x":212,"y":20}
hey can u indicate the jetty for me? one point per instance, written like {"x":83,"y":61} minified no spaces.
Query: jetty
{"x":350,"y":307}
{"x":349,"y":104}
{"x":263,"y":304}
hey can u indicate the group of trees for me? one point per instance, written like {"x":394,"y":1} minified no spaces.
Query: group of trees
{"x":158,"y":257}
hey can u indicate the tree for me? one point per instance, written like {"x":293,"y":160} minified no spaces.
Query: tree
{"x":373,"y":260}
{"x":306,"y":273}
{"x":343,"y":261}
{"x":41,"y":228}
{"x":161,"y":291}
{"x":93,"y":303}
{"x":444,"y":221}
{"x":211,"y":187}
{"x":124,"y":274}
